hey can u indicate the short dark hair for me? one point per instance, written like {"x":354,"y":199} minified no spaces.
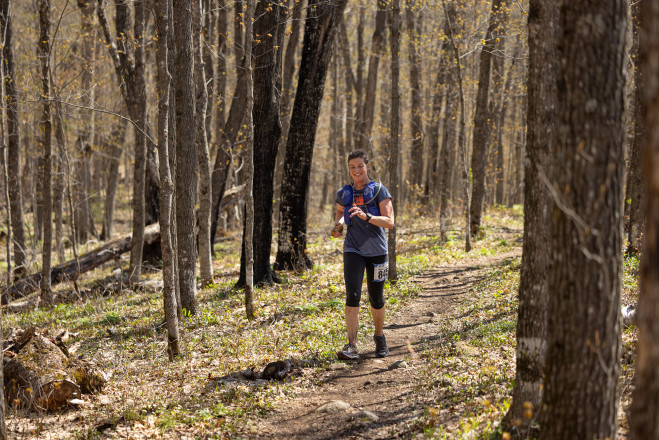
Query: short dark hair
{"x":357,"y":154}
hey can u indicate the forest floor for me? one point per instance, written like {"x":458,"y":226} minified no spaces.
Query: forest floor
{"x":450,"y":326}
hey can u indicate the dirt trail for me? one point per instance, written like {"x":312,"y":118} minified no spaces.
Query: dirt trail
{"x":369,"y":384}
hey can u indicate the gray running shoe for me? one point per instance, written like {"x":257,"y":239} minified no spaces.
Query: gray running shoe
{"x":349,"y":352}
{"x":381,"y":349}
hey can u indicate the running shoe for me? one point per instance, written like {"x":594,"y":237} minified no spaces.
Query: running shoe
{"x":381,"y":349}
{"x":349,"y":352}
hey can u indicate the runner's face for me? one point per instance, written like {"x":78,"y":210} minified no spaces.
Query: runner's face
{"x":358,"y":170}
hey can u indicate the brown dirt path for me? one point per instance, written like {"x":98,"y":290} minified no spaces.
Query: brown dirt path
{"x":369,"y":384}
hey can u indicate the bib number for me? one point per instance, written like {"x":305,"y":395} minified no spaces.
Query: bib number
{"x":381,"y":271}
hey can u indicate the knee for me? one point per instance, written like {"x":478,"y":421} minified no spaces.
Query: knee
{"x":352,"y":299}
{"x":377,"y":301}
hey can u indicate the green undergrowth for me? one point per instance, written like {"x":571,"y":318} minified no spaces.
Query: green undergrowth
{"x":301,"y":318}
{"x":469,"y":364}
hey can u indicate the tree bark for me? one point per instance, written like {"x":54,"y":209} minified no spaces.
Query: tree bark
{"x":320,"y":28}
{"x":13,"y":141}
{"x":59,"y":188}
{"x":580,"y":398}
{"x":186,"y":157}
{"x":481,"y":122}
{"x":166,"y":182}
{"x":365,"y":124}
{"x":394,"y":148}
{"x":635,"y":188}
{"x":287,"y":93}
{"x":267,"y":81}
{"x":221,"y":51}
{"x":644,"y":417}
{"x":248,"y":236}
{"x":84,"y":219}
{"x":533,"y":292}
{"x":44,"y":58}
{"x":203,"y":157}
{"x":413,"y":21}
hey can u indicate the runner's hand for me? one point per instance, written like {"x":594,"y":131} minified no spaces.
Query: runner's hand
{"x":357,"y":211}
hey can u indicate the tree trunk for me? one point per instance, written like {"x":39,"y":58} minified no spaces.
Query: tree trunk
{"x":481,"y":124}
{"x":44,"y":58}
{"x":113,"y":147}
{"x":439,"y":99}
{"x":203,"y":157}
{"x":59,"y":188}
{"x":248,"y":236}
{"x":186,"y":157}
{"x":448,"y":139}
{"x":501,"y":118}
{"x":644,"y":418}
{"x":580,"y":398}
{"x":394,"y":147}
{"x":533,"y":293}
{"x":84,"y":220}
{"x":450,"y":14}
{"x":171,"y":149}
{"x":320,"y":28}
{"x":267,"y":81}
{"x":413,"y":20}
{"x":208,"y":37}
{"x":365,"y":123}
{"x":166,"y":182}
{"x":5,"y":195}
{"x":287,"y":94}
{"x":635,"y":189}
{"x":221,"y":51}
{"x":13,"y":141}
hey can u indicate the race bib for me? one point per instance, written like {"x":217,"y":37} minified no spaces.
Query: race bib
{"x":381,"y":271}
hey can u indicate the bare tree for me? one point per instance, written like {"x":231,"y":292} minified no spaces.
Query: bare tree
{"x":186,"y":157}
{"x":320,"y":27}
{"x":394,"y":146}
{"x":450,"y":13}
{"x":580,"y":393}
{"x":44,"y":57}
{"x":644,"y":420}
{"x":414,"y":23}
{"x":83,"y":213}
{"x":13,"y":140}
{"x":249,"y":202}
{"x":267,"y":81}
{"x":166,"y":182}
{"x":541,"y":135}
{"x":481,"y":121}
{"x":365,"y":123}
{"x":635,"y":189}
{"x":203,"y":157}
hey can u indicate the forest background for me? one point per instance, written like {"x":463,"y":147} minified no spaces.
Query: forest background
{"x":99,"y":143}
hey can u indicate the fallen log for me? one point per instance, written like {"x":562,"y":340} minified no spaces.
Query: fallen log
{"x":39,"y":374}
{"x":71,"y":270}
